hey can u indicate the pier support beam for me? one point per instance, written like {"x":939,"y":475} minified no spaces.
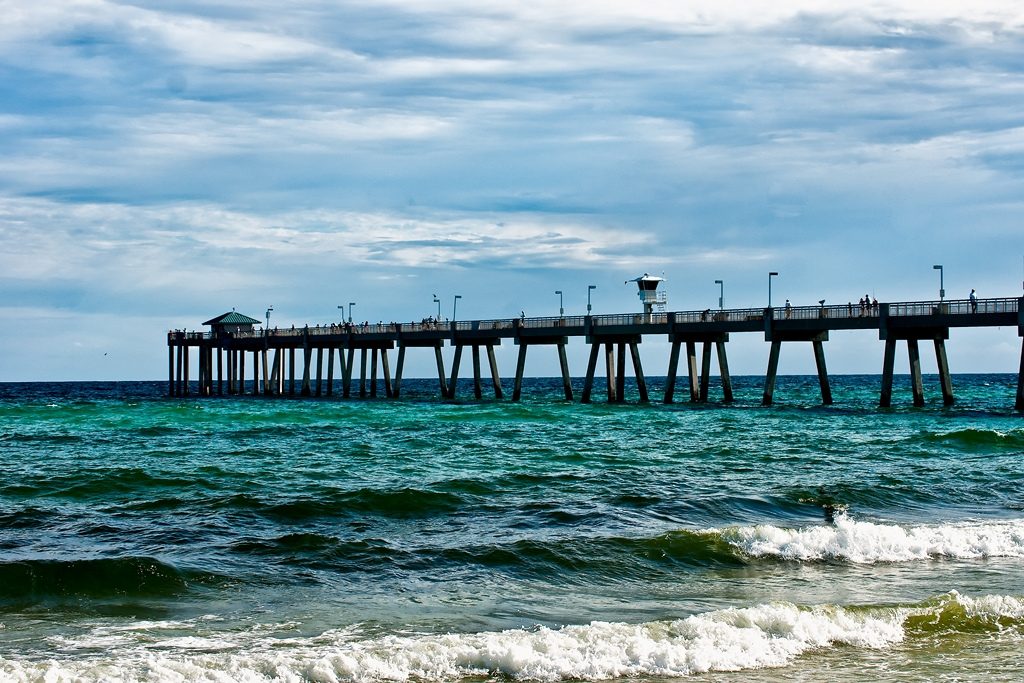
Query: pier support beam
{"x":241,"y":372}
{"x":385,"y":369}
{"x":362,"y":373}
{"x":638,"y":372}
{"x":588,"y":382}
{"x":373,"y":373}
{"x":773,"y":369}
{"x":220,"y":372}
{"x":517,"y":387}
{"x":477,"y":389}
{"x":170,"y":370}
{"x":888,"y":361}
{"x":673,"y":369}
{"x":705,"y":371}
{"x":691,"y":370}
{"x":816,"y":337}
{"x":495,"y":377}
{"x":330,"y":371}
{"x":945,"y":380}
{"x":266,"y":372}
{"x":819,"y":362}
{"x":723,"y":369}
{"x":1019,"y":405}
{"x":307,"y":360}
{"x":319,"y":370}
{"x":563,"y":363}
{"x":609,"y":368}
{"x":346,"y":377}
{"x":456,"y":361}
{"x":396,"y":391}
{"x":699,"y":384}
{"x":439,"y":360}
{"x":916,"y":385}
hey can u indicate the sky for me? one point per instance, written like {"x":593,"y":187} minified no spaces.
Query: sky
{"x":164,"y":162}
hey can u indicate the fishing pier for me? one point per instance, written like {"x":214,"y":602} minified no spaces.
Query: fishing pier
{"x":222,"y":350}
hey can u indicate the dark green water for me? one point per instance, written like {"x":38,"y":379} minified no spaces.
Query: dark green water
{"x":147,"y":538}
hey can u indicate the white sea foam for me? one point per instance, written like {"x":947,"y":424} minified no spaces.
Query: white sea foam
{"x":725,"y":640}
{"x":763,"y":636}
{"x":868,"y":542}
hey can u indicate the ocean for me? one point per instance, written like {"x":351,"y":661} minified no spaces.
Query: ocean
{"x":145,"y":538}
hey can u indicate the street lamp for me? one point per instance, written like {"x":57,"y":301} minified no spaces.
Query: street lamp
{"x":350,"y":305}
{"x":942,"y":288}
{"x":590,"y":288}
{"x":561,"y":307}
{"x":342,"y":307}
{"x":770,"y":276}
{"x":455,"y":305}
{"x":266,"y":330}
{"x":721,"y":294}
{"x":438,"y":302}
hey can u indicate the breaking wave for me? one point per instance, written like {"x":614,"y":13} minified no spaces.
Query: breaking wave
{"x":762,"y":636}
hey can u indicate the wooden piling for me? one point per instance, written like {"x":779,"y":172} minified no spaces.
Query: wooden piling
{"x":362,"y":373}
{"x":385,"y":369}
{"x":691,"y":370}
{"x":220,"y":372}
{"x":266,"y":373}
{"x":477,"y":389}
{"x":330,"y":370}
{"x":241,"y":372}
{"x":705,"y":371}
{"x":307,"y":360}
{"x":916,"y":385}
{"x":346,"y":378}
{"x":255,"y":373}
{"x":396,"y":391}
{"x":638,"y":371}
{"x":291,"y":372}
{"x":456,"y":361}
{"x":673,"y":370}
{"x":188,"y":389}
{"x":620,"y":374}
{"x":170,"y":370}
{"x":517,"y":387}
{"x":495,"y":377}
{"x":609,"y":366}
{"x":588,"y":381}
{"x":319,"y":370}
{"x":563,"y":363}
{"x":373,"y":373}
{"x":723,"y":369}
{"x":773,"y":369}
{"x":439,"y":360}
{"x":1019,"y":405}
{"x":889,"y":359}
{"x":945,"y":380}
{"x":819,"y":361}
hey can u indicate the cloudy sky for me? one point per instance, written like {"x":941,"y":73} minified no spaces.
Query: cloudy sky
{"x":162,"y":162}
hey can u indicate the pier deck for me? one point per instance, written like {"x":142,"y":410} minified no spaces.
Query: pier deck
{"x":909,"y":322}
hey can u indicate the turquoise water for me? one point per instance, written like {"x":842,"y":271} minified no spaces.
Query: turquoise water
{"x":155,"y":539}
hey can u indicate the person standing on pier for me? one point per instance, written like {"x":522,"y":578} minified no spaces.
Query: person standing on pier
{"x":974,"y":302}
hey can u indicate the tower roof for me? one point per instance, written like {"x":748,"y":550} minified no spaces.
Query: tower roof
{"x":233,"y":318}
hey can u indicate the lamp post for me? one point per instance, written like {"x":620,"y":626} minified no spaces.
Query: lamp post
{"x":350,"y":305}
{"x":721,"y":294}
{"x":455,"y":305}
{"x":942,"y":288}
{"x":561,"y":307}
{"x":590,"y":288}
{"x":438,"y":302}
{"x":342,"y":307}
{"x":770,"y":276}
{"x":266,"y":330}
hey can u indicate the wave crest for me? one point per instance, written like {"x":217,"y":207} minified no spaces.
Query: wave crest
{"x":868,"y":542}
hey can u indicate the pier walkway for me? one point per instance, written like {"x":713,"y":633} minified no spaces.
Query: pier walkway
{"x":222,"y":351}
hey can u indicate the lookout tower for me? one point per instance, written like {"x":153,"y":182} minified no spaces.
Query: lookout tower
{"x":649,"y":294}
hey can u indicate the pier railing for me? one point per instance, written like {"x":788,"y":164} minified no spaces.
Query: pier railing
{"x":955,"y":307}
